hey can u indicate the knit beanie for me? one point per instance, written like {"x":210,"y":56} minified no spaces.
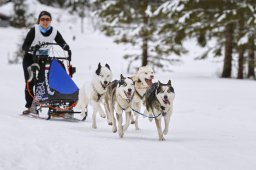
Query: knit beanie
{"x":43,"y":13}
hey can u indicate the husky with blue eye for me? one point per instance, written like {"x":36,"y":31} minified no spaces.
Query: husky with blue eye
{"x":118,"y":99}
{"x":94,"y":92}
{"x":159,"y":104}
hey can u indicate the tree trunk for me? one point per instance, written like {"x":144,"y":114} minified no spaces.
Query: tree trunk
{"x":144,"y":35}
{"x":251,"y":59}
{"x":82,"y":25}
{"x":145,"y":52}
{"x":227,"y":67}
{"x":240,"y":74}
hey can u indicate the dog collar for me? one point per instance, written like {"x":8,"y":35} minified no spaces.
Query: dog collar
{"x":123,"y":108}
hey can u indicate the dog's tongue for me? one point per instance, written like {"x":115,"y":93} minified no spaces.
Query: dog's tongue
{"x":104,"y":86}
{"x":166,"y":101}
{"x":129,"y":95}
{"x":149,"y":82}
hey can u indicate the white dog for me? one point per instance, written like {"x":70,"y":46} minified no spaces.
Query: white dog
{"x":143,"y":80}
{"x":118,"y":99}
{"x":95,"y":93}
{"x":159,"y":103}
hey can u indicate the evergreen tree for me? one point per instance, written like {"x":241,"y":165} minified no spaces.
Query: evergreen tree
{"x":241,"y":48}
{"x":54,"y":3}
{"x":79,"y":7}
{"x":136,"y":23}
{"x":19,"y":18}
{"x":251,"y":58}
{"x":227,"y":21}
{"x":2,"y":2}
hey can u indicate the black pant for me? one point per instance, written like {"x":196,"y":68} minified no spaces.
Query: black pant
{"x":27,"y":61}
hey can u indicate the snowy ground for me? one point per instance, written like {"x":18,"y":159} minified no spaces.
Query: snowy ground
{"x":212,"y":127}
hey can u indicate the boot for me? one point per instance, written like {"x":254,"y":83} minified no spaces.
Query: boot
{"x":26,"y":112}
{"x":31,"y":109}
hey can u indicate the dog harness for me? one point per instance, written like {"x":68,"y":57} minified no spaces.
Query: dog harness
{"x":98,"y":94}
{"x":141,"y":97}
{"x":155,"y":116}
{"x":127,"y":100}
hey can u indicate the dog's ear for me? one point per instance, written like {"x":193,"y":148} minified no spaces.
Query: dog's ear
{"x":169,"y":83}
{"x":121,"y":81}
{"x":158,"y":87}
{"x":98,"y":69}
{"x":122,"y":77}
{"x":107,"y":66}
{"x":132,"y":80}
{"x":159,"y":83}
{"x":135,"y":78}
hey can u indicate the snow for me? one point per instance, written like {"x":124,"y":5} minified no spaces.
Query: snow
{"x":212,"y":127}
{"x":5,"y":9}
{"x":223,"y":16}
{"x":243,"y":40}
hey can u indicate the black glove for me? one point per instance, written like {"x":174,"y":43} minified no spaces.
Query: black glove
{"x":65,"y":47}
{"x":34,"y":48}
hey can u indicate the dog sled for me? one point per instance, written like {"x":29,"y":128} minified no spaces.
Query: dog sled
{"x":54,"y":88}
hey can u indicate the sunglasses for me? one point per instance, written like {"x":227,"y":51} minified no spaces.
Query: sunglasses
{"x":45,"y":19}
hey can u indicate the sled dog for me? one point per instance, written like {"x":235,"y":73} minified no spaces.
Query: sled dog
{"x":159,"y":103}
{"x":143,"y":80}
{"x":118,"y":99}
{"x":95,"y":92}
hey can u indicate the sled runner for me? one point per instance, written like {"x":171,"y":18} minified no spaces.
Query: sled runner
{"x":54,"y":88}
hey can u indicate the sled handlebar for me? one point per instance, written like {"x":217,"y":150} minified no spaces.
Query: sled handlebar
{"x":37,"y":47}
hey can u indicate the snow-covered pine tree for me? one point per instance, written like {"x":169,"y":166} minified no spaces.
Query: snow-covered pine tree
{"x":2,"y":2}
{"x":136,"y":23}
{"x":19,"y":18}
{"x":79,"y":7}
{"x":245,"y":38}
{"x":54,"y":3}
{"x":208,"y":19}
{"x":228,"y":22}
{"x":171,"y":32}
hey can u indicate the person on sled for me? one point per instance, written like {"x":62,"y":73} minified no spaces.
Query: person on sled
{"x":42,"y":32}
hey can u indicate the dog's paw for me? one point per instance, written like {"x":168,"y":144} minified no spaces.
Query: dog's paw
{"x":121,"y":134}
{"x":114,"y":129}
{"x":94,"y":126}
{"x":161,"y":138}
{"x":103,"y":116}
{"x":137,"y":126}
{"x":132,"y":122}
{"x":110,"y":123}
